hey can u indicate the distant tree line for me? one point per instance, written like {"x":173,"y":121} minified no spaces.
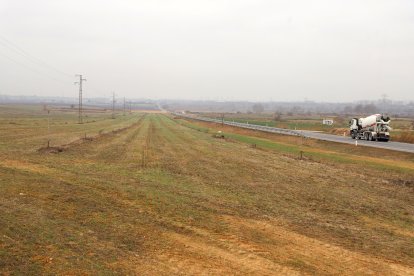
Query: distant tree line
{"x":361,"y":109}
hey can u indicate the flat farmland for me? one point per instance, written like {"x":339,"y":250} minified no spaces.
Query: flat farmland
{"x":147,"y":194}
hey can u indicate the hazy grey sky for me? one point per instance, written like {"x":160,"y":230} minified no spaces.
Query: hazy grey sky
{"x":217,"y":49}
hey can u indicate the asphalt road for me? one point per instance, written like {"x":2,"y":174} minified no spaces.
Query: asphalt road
{"x":390,"y":145}
{"x":405,"y":147}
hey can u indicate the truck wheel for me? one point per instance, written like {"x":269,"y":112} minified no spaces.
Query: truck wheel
{"x":353,"y":134}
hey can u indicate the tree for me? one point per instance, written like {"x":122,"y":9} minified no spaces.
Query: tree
{"x":258,"y":108}
{"x":277,"y":116}
{"x":371,"y":108}
{"x":296,"y":109}
{"x":359,"y":108}
{"x":347,"y":109}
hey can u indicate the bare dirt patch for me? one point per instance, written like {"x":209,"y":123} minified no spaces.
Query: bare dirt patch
{"x":312,"y":253}
{"x":51,"y":149}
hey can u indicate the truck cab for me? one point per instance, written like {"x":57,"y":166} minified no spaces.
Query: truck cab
{"x":372,"y":128}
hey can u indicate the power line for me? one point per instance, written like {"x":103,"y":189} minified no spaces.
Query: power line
{"x":34,"y":61}
{"x":18,"y":50}
{"x":33,"y":70}
{"x":80,"y":97}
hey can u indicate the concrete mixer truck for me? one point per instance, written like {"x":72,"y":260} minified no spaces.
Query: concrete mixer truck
{"x":372,"y":128}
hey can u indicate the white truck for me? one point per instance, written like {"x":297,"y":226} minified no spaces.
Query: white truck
{"x":372,"y":128}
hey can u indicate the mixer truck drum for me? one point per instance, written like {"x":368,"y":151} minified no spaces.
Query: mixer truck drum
{"x":385,"y":119}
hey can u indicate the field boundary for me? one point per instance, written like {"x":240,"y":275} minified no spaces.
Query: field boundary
{"x":63,"y":147}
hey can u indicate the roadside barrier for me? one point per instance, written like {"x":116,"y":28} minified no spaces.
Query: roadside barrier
{"x":242,"y":125}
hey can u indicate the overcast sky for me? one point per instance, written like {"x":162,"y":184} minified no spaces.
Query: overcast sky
{"x":210,"y":50}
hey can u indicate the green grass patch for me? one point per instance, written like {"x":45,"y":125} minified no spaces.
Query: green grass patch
{"x":307,"y":151}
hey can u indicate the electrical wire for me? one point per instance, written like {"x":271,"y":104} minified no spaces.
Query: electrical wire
{"x":34,"y":70}
{"x":18,"y":50}
{"x":11,"y":46}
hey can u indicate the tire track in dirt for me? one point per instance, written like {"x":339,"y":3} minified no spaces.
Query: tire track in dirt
{"x":212,"y":155}
{"x":115,"y":146}
{"x":175,"y":150}
{"x":217,"y":257}
{"x":330,"y":258}
{"x":136,"y":143}
{"x":183,"y":147}
{"x":295,"y":254}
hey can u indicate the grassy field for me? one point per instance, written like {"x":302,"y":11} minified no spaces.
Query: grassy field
{"x":150,"y":194}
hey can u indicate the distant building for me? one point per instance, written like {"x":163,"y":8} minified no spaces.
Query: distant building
{"x":328,"y":122}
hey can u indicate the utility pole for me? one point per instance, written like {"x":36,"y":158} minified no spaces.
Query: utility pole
{"x":113,"y":105}
{"x":48,"y":128}
{"x":80,"y":97}
{"x":124,"y":106}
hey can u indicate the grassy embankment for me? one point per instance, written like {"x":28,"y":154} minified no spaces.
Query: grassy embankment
{"x":402,"y":127}
{"x":316,"y":150}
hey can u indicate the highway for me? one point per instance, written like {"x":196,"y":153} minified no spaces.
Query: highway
{"x":397,"y":146}
{"x":405,"y":147}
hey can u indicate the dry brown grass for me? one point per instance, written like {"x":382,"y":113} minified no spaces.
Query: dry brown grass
{"x":406,"y":137}
{"x":199,"y":205}
{"x":340,"y":131}
{"x":314,"y":145}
